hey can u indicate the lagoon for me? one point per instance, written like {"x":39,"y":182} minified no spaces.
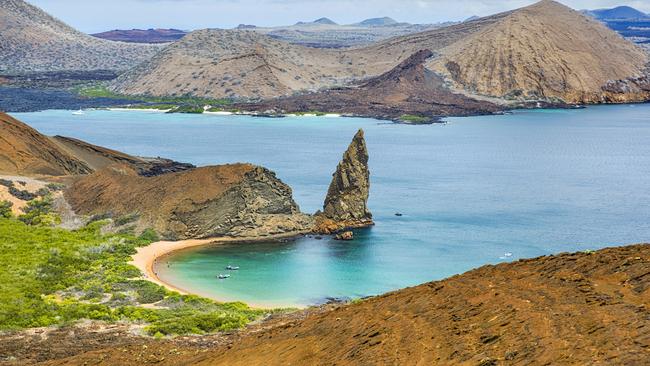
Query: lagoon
{"x":529,"y":183}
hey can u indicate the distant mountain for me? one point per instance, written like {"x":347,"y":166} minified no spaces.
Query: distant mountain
{"x":320,"y":21}
{"x":377,"y":22}
{"x":620,"y":12}
{"x":324,"y":33}
{"x":143,"y":35}
{"x":32,"y":40}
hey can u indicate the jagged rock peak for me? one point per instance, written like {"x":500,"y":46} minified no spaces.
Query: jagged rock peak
{"x":346,"y":204}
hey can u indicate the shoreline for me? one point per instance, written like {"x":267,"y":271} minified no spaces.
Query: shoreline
{"x":146,"y":258}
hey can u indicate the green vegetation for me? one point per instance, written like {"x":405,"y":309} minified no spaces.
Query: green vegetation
{"x":317,"y":113}
{"x":39,"y":212}
{"x":160,"y":107}
{"x":100,"y":91}
{"x":193,"y":109}
{"x":5,"y":209}
{"x":51,"y":276}
{"x":410,"y":118}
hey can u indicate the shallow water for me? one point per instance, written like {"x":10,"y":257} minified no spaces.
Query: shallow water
{"x":531,"y":183}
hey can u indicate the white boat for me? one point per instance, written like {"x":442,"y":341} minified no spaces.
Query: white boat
{"x":223,"y":277}
{"x":78,"y":113}
{"x":232,"y":268}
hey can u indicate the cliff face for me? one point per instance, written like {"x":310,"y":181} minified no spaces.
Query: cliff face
{"x":346,"y":204}
{"x":239,"y":200}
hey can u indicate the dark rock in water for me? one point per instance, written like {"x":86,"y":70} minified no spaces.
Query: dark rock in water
{"x":346,"y":204}
{"x":345,"y":236}
{"x":347,"y":196}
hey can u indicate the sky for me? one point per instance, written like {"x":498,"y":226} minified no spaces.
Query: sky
{"x":95,"y":16}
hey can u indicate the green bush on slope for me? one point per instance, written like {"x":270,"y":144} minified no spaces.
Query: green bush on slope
{"x":51,"y":276}
{"x":5,"y":209}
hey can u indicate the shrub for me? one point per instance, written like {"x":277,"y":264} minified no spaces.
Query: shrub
{"x":149,"y":235}
{"x":5,"y":209}
{"x":38,"y":212}
{"x":410,"y":118}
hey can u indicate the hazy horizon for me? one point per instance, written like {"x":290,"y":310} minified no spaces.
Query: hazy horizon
{"x":92,"y":17}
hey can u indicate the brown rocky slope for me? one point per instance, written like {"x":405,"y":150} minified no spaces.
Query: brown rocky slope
{"x":25,"y":151}
{"x":588,"y":308}
{"x":32,"y":40}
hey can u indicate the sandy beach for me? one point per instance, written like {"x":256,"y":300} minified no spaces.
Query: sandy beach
{"x":146,"y":257}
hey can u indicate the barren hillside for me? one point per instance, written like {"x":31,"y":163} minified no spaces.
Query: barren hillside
{"x":226,"y":63}
{"x":545,"y":51}
{"x":32,"y":40}
{"x":24,"y":151}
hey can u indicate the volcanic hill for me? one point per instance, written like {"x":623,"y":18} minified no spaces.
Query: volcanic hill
{"x":410,"y":89}
{"x":545,"y":51}
{"x":32,"y":40}
{"x":24,"y":151}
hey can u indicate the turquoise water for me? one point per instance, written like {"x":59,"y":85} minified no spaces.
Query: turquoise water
{"x":531,"y":183}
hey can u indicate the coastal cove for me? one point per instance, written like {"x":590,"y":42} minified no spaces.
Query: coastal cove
{"x":475,"y":191}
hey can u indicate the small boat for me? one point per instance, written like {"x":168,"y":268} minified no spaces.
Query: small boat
{"x":232,"y":268}
{"x":78,"y":113}
{"x":398,"y":214}
{"x":223,"y":277}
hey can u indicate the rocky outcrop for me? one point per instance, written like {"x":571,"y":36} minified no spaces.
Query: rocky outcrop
{"x":346,"y":204}
{"x":239,"y":200}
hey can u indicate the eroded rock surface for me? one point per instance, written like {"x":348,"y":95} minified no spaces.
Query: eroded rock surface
{"x":346,"y":204}
{"x":239,"y":200}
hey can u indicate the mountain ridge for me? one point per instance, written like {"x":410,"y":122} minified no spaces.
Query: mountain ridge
{"x":33,"y":40}
{"x":553,"y":53}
